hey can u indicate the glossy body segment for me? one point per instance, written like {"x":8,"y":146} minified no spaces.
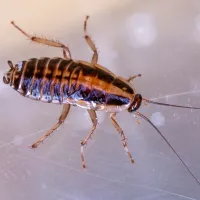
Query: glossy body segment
{"x":62,"y":81}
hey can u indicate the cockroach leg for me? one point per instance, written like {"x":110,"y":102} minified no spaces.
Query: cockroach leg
{"x":64,"y":54}
{"x":133,"y":77}
{"x":90,"y":43}
{"x":93,"y":117}
{"x":10,"y":64}
{"x":44,"y":41}
{"x":124,"y":142}
{"x":63,"y":116}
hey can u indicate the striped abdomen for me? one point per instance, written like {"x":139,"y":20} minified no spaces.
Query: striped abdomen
{"x":61,"y":80}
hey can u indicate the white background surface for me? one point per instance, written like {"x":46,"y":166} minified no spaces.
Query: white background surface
{"x":160,"y":40}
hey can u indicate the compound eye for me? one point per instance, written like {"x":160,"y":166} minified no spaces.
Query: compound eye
{"x":136,"y":103}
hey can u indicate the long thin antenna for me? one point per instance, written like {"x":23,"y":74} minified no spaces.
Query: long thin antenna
{"x":170,"y":105}
{"x":145,"y":118}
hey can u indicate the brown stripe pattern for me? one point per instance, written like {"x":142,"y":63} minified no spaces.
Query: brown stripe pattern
{"x":56,"y":80}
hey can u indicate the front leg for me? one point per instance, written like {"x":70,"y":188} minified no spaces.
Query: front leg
{"x":133,"y":77}
{"x":124,"y":142}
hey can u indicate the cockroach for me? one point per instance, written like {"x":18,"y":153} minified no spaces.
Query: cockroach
{"x":88,"y":85}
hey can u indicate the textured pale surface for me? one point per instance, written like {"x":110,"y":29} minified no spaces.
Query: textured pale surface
{"x":160,"y":40}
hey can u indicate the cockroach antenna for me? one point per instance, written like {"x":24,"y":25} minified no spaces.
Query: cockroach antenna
{"x":169,"y":105}
{"x":148,"y":120}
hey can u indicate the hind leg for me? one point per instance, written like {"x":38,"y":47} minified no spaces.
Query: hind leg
{"x":45,"y":41}
{"x":93,"y":117}
{"x":63,"y":116}
{"x":90,"y":42}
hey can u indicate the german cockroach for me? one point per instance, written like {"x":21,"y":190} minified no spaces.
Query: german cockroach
{"x":79,"y":83}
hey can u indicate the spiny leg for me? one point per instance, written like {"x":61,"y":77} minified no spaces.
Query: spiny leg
{"x":92,"y":113}
{"x":65,"y":55}
{"x":90,"y":43}
{"x":63,"y":116}
{"x":133,"y":77}
{"x":124,"y":142}
{"x":44,"y":41}
{"x":93,"y":117}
